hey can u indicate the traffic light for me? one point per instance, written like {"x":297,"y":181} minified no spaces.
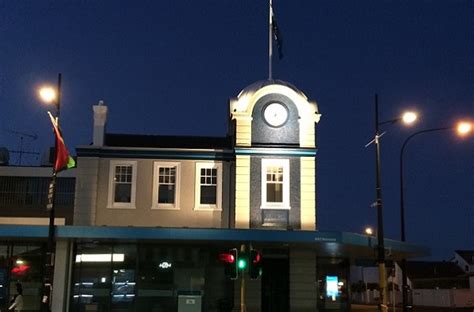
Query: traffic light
{"x":242,"y":262}
{"x":231,"y":263}
{"x":255,"y":269}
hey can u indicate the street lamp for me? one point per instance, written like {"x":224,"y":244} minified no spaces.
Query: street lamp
{"x":407,"y":118}
{"x":462,"y":128}
{"x":48,"y":94}
{"x":51,"y":95}
{"x":368,"y":230}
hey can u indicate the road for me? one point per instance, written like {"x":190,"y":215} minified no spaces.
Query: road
{"x":371,"y":308}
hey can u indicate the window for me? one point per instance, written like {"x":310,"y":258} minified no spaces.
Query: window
{"x":275,"y":184}
{"x":122,"y":184}
{"x":208,"y":186}
{"x":166,"y":185}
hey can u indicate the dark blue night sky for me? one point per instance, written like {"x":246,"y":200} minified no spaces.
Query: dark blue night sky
{"x":169,"y":67}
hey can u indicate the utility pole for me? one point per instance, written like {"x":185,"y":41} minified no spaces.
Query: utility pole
{"x":380,"y":236}
{"x":243,"y":308}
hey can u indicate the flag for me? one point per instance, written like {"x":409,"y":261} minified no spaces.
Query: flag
{"x":277,"y":36}
{"x":63,"y":159}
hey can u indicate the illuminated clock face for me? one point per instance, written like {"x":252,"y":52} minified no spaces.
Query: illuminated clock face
{"x":275,"y":114}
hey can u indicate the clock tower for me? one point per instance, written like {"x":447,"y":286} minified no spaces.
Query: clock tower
{"x":274,"y":125}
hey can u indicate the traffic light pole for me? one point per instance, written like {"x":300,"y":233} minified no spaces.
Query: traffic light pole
{"x":242,"y":285}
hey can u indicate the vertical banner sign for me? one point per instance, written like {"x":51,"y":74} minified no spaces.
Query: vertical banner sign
{"x":52,"y":186}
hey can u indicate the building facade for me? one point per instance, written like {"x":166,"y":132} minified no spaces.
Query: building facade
{"x":260,"y":176}
{"x":23,"y":198}
{"x":153,"y":214}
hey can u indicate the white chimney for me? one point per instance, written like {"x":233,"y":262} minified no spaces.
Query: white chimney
{"x":100,"y":119}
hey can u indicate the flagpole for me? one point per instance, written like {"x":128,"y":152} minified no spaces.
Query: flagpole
{"x":48,"y":277}
{"x":53,"y":179}
{"x":270,"y":52}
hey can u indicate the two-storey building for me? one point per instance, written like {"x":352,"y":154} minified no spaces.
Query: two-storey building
{"x":152,"y":214}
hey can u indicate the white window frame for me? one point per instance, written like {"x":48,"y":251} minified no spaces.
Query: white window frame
{"x":111,"y":203}
{"x":156,"y":175}
{"x":197,"y":187}
{"x":285,"y":163}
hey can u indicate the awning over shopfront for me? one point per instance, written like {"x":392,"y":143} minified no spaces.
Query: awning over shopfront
{"x":327,"y":244}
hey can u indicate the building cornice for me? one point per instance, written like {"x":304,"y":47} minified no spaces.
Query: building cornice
{"x":155,"y":153}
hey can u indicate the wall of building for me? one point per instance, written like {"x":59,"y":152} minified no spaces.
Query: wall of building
{"x":463,"y":264}
{"x":85,"y":204}
{"x":144,"y":215}
{"x":443,"y":297}
{"x":62,"y":267}
{"x":303,"y":280}
{"x":282,"y":218}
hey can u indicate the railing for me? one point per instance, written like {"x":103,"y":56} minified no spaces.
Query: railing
{"x":25,"y":193}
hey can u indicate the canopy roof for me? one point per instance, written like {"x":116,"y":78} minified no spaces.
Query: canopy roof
{"x":327,"y":244}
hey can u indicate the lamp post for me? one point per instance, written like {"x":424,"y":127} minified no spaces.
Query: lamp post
{"x":462,"y":128}
{"x":407,"y":118}
{"x":379,"y":206}
{"x":51,"y":95}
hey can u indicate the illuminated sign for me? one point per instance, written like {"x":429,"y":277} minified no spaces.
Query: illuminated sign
{"x":164,"y":265}
{"x":100,"y":258}
{"x":20,"y":269}
{"x":332,"y":289}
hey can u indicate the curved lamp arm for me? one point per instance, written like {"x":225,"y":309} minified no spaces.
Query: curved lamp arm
{"x":402,"y":204}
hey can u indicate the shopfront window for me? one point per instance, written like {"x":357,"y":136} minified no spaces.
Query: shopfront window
{"x":157,"y":267}
{"x":147,"y":277}
{"x":123,"y":278}
{"x":26,"y":269}
{"x":92,"y":277}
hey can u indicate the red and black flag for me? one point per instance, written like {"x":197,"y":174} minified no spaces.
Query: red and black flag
{"x":63,"y":160}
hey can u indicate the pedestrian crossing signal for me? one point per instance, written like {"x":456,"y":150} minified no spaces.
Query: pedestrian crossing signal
{"x":255,"y":268}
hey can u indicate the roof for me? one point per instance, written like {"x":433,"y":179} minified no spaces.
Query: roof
{"x":254,"y":87}
{"x":467,"y":255}
{"x":167,"y":141}
{"x":432,"y":269}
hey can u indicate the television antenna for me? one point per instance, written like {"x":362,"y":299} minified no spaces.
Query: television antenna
{"x":22,"y":135}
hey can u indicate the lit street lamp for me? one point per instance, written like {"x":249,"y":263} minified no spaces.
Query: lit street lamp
{"x":48,"y":94}
{"x":368,"y":230}
{"x":51,"y":95}
{"x":462,"y":129}
{"x":407,"y":118}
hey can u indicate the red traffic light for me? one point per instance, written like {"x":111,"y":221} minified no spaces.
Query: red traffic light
{"x":255,"y":270}
{"x":230,"y":263}
{"x":227,"y":257}
{"x":256,"y":257}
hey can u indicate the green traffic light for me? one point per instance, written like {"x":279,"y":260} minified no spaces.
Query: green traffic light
{"x":242,"y":264}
